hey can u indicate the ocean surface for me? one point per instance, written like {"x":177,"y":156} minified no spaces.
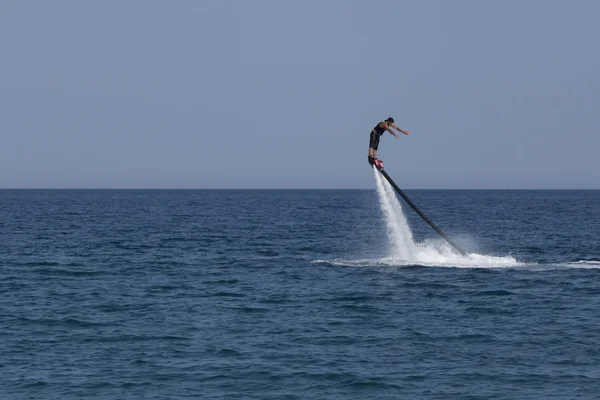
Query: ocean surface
{"x":299,"y":294}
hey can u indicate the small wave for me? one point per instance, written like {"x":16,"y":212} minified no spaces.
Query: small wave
{"x":35,"y":385}
{"x":228,"y":353}
{"x":39,"y":264}
{"x":590,"y":264}
{"x":494,"y":293}
{"x":338,"y":262}
{"x":228,"y":294}
{"x":132,"y":338}
{"x":250,"y":309}
{"x":372,"y":384}
{"x":222,"y":282}
{"x":66,"y":322}
{"x":267,"y":253}
{"x":178,"y":239}
{"x":66,"y":272}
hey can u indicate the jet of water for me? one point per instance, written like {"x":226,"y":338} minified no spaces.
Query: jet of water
{"x":399,"y":233}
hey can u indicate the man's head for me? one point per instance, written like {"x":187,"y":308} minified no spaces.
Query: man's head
{"x":390,"y":120}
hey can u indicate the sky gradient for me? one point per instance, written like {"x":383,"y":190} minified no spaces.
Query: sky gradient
{"x":283,"y":94}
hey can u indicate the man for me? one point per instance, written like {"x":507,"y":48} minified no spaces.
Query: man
{"x":376,"y":134}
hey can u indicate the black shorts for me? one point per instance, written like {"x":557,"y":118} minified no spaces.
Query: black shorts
{"x":374,"y":140}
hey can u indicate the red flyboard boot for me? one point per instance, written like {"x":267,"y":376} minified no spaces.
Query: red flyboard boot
{"x":378,"y":163}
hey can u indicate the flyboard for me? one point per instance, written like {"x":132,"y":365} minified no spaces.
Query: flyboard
{"x":379,"y":165}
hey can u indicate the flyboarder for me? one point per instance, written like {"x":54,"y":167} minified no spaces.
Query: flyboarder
{"x":376,"y":134}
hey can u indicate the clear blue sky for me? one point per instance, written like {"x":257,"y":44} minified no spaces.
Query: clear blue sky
{"x":283,"y":94}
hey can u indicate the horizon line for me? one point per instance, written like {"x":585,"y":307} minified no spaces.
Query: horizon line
{"x":308,"y":188}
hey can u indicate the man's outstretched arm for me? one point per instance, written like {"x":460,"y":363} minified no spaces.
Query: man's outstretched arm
{"x":398,"y":129}
{"x":392,"y":132}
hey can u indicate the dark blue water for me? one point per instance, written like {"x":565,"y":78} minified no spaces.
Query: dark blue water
{"x":294,"y":295}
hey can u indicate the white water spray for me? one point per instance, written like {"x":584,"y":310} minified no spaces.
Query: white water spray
{"x":399,"y":233}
